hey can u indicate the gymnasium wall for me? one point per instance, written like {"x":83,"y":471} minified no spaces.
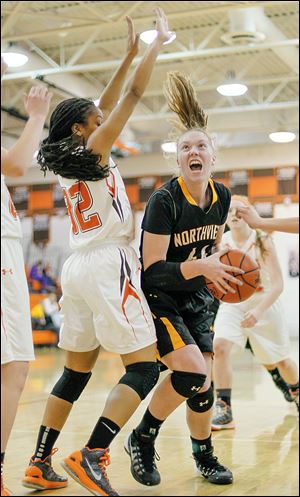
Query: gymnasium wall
{"x":271,"y":184}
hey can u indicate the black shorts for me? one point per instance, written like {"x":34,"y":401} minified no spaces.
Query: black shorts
{"x":182,"y":319}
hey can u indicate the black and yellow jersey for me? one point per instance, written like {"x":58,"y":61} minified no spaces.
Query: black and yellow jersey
{"x":171,"y":210}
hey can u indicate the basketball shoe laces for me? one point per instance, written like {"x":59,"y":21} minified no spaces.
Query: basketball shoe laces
{"x":104,"y":460}
{"x":209,"y":463}
{"x":149,"y":455}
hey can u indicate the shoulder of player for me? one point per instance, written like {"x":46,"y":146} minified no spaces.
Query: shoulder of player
{"x":221,"y":189}
{"x":164,"y":192}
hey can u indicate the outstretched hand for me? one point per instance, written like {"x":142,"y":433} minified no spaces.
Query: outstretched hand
{"x":250,"y":215}
{"x":37,"y":101}
{"x":161,"y":23}
{"x":132,"y":38}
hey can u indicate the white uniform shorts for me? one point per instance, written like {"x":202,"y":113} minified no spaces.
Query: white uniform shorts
{"x":102,"y":302}
{"x":269,"y":338}
{"x":16,"y":331}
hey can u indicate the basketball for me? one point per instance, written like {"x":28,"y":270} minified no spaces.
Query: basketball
{"x":250,"y":278}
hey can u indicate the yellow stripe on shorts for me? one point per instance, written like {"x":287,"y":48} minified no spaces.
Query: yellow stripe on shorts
{"x":176,"y":339}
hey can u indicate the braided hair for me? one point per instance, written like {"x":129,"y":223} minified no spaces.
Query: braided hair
{"x":182,"y":99}
{"x":62,"y":151}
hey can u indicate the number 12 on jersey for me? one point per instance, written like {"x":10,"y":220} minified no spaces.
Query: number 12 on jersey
{"x":82,"y":202}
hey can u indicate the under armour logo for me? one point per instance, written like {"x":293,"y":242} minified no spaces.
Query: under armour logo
{"x":196,"y":388}
{"x":7,"y":271}
{"x":203,"y":403}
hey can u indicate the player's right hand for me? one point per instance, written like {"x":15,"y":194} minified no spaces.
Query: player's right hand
{"x":218,"y":273}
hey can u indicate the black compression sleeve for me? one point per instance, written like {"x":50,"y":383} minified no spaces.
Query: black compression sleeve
{"x":168,"y":276}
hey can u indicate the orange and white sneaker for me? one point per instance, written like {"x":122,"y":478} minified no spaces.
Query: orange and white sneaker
{"x":222,"y":419}
{"x":88,"y":468}
{"x":40,"y":475}
{"x":4,"y":490}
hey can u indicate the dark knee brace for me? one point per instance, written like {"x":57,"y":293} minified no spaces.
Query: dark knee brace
{"x":202,"y":402}
{"x":141,"y":377}
{"x":187,"y":384}
{"x":70,"y":385}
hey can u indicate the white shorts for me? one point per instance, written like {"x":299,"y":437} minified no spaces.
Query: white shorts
{"x":102,"y":302}
{"x":269,"y":338}
{"x":16,"y":331}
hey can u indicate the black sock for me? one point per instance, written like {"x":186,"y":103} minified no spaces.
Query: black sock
{"x":103,"y":434}
{"x":148,"y":428}
{"x":224,"y":394}
{"x":275,"y":374}
{"x":46,"y":439}
{"x":200,"y":447}
{"x":2,"y":461}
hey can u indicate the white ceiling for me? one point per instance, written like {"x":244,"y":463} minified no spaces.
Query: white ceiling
{"x":78,"y":45}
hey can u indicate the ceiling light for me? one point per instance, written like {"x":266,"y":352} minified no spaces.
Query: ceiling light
{"x":14,"y":59}
{"x":232,"y":89}
{"x":282,"y":137}
{"x":169,"y":147}
{"x":150,"y":35}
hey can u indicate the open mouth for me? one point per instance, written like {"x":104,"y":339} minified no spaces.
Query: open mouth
{"x":195,"y":166}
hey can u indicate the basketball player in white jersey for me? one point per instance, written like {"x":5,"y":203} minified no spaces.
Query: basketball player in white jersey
{"x":16,"y":333}
{"x":259,"y":318}
{"x":102,"y":302}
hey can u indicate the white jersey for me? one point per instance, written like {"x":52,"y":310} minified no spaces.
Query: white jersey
{"x":252,"y":248}
{"x":10,"y":222}
{"x":100,"y":211}
{"x":269,"y":337}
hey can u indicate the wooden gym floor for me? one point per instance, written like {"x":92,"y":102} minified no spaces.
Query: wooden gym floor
{"x":262,"y":451}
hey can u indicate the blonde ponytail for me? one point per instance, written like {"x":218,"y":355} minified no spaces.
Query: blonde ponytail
{"x":182,"y":99}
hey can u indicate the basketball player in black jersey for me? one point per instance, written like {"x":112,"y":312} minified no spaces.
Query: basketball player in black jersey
{"x":183,"y":224}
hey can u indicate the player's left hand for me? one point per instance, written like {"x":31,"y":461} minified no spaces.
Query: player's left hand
{"x":250,"y":319}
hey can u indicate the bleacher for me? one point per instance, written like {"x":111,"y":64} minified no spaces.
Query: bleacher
{"x":41,"y":337}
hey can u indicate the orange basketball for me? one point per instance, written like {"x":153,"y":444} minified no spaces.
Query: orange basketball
{"x":250,"y":278}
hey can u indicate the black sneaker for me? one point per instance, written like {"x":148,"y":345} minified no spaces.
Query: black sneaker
{"x":209,"y":467}
{"x":142,"y":455}
{"x":283,"y":387}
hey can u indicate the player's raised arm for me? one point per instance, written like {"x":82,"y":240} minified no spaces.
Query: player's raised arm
{"x":15,"y":162}
{"x":111,"y":94}
{"x":253,"y":219}
{"x":101,"y":141}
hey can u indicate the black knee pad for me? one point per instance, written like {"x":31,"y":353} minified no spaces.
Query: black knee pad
{"x":202,"y":402}
{"x":70,"y":385}
{"x":141,"y":377}
{"x":187,"y":384}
